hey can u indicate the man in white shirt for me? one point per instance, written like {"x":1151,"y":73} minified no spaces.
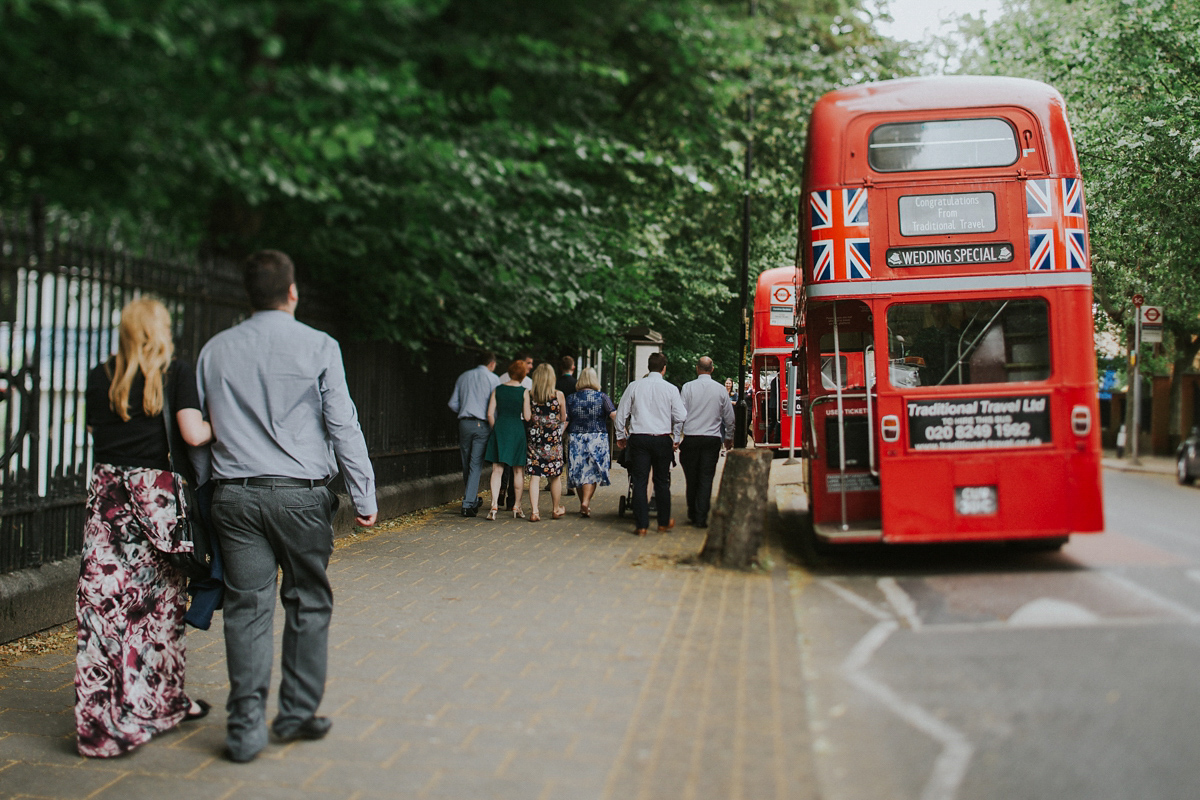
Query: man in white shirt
{"x":709,"y":424}
{"x":650,"y":419}
{"x":472,"y":391}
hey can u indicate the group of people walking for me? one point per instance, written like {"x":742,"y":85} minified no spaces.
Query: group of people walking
{"x":519,"y":425}
{"x":267,"y":418}
{"x":546,"y":425}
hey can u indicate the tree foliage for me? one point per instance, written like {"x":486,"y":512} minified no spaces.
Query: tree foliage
{"x":1130,"y":72}
{"x":494,"y":172}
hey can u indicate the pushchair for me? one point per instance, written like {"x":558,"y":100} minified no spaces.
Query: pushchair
{"x":625,"y":503}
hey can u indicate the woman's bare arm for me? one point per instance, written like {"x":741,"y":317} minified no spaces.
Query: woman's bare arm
{"x":196,"y":430}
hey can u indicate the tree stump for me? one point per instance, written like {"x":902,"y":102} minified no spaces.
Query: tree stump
{"x":736,"y":524}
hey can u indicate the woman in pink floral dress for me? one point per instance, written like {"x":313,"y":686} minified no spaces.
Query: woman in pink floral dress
{"x":130,"y":658}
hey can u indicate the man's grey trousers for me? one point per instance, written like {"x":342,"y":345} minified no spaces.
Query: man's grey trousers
{"x":262,"y":530}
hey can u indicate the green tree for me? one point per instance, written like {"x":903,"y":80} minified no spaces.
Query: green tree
{"x":496,"y":172}
{"x":1130,"y":73}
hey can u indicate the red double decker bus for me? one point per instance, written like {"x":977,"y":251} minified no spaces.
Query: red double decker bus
{"x":772,"y":341}
{"x":948,"y":360}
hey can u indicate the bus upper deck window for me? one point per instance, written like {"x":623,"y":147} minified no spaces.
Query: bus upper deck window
{"x":942,"y":144}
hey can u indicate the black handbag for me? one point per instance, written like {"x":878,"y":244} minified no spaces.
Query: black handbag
{"x":195,"y":565}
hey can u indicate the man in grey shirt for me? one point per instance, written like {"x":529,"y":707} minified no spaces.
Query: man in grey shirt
{"x":275,"y":391}
{"x":472,"y":392}
{"x":709,"y":425}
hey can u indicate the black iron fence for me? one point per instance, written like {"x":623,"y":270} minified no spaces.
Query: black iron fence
{"x":61,"y":294}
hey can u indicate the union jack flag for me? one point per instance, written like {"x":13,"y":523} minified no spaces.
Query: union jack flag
{"x":841,"y":246}
{"x":1057,"y":228}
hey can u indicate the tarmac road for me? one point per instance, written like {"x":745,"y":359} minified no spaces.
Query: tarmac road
{"x":982,"y":672}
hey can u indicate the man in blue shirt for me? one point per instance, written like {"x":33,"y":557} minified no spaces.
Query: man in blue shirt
{"x":472,"y":391}
{"x":275,"y":392}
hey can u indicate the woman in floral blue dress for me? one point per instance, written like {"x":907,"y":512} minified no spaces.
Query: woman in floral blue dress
{"x":130,"y":656}
{"x":588,"y":462}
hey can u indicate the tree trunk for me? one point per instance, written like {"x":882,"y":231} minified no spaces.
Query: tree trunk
{"x":1185,"y":353}
{"x":735,"y":530}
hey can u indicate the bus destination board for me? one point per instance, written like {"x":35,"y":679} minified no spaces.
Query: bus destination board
{"x":990,"y":253}
{"x":979,"y":422}
{"x":933,"y":214}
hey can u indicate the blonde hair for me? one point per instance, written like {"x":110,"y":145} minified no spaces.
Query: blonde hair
{"x":543,"y":384}
{"x":588,"y":379}
{"x":144,"y":345}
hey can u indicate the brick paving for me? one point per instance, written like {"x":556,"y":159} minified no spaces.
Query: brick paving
{"x":476,"y":659}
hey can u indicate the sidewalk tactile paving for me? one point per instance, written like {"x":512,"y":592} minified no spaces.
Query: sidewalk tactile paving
{"x":473,"y":659}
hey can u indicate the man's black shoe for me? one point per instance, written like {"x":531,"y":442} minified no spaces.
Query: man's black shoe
{"x":478,"y":502}
{"x":470,"y":511}
{"x":311,"y":728}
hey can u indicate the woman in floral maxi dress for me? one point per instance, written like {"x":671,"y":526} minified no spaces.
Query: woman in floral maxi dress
{"x":546,"y":426}
{"x":130,"y":658}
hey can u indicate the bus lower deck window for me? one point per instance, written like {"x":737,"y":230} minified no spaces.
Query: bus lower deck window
{"x":955,"y":343}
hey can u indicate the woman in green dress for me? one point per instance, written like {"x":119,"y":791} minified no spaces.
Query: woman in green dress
{"x":508,"y":411}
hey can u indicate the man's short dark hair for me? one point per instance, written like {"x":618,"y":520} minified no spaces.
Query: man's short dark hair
{"x":486,"y":357}
{"x":523,"y":355}
{"x":268,"y":275}
{"x":657,"y":362}
{"x":566,"y":364}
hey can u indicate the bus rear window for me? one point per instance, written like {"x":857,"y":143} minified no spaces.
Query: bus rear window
{"x":942,"y":144}
{"x":950,"y":344}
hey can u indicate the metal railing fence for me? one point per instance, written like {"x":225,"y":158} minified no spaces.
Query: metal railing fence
{"x":61,"y":294}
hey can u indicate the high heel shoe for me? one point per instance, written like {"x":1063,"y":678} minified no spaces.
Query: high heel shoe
{"x":584,"y":511}
{"x":559,"y":512}
{"x":534,"y":516}
{"x":518,"y":514}
{"x":492,"y":514}
{"x":202,"y":709}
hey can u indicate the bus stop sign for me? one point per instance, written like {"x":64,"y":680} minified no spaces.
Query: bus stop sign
{"x":1152,"y":324}
{"x":1138,"y":300}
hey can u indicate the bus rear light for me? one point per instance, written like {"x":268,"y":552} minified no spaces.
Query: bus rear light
{"x":889,"y":428}
{"x":1081,"y":420}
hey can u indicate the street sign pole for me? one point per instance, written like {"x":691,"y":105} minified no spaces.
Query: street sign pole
{"x":1137,"y":387}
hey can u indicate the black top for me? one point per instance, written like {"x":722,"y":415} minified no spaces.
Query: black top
{"x":142,"y":441}
{"x":565,"y":384}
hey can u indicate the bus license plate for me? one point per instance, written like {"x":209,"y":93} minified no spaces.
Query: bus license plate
{"x":975,"y":500}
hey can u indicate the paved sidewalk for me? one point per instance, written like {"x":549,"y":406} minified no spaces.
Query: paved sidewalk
{"x":475,"y":659}
{"x":1159,"y":465}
